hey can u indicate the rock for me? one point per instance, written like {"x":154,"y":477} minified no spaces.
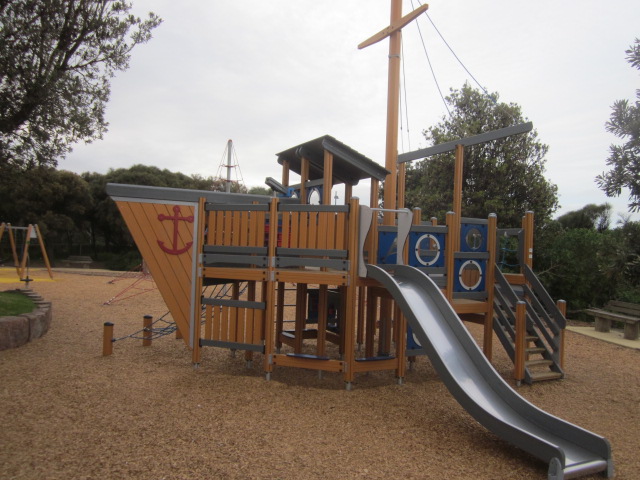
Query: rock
{"x":14,"y":332}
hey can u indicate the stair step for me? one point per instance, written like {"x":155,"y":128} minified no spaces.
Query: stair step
{"x":537,"y":363}
{"x":541,"y":376}
{"x":531,"y":338}
{"x":535,"y":350}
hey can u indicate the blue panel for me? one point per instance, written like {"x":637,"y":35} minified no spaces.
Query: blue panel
{"x":426,"y":249}
{"x":412,"y":341}
{"x":387,"y":247}
{"x":473,"y":238}
{"x":459,"y":265}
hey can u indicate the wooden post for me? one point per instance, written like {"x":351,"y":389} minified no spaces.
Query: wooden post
{"x":107,"y":339}
{"x":528,"y":233}
{"x":450,"y":249}
{"x":328,"y":178}
{"x":147,"y":330}
{"x":457,"y":185}
{"x":285,"y":173}
{"x":25,"y":252}
{"x":14,"y":250}
{"x":45,"y":257}
{"x":562,"y":306}
{"x":520,"y":342}
{"x":304,"y":178}
{"x":492,"y":238}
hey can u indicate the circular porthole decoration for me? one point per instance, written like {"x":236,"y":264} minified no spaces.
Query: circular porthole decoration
{"x":473,"y":239}
{"x":427,"y":250}
{"x":470,"y":275}
{"x":314,"y":197}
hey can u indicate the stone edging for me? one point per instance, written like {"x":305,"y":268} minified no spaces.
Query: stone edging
{"x":21,"y":329}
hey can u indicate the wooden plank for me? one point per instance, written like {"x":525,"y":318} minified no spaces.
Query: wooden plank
{"x":314,"y":242}
{"x":252,"y":274}
{"x":224,"y":324}
{"x":339,"y":240}
{"x":210,"y":222}
{"x":244,"y":228}
{"x":375,"y":366}
{"x":325,"y":230}
{"x":303,"y":229}
{"x":286,"y":233}
{"x":295,"y":228}
{"x":208,"y":322}
{"x":310,"y":363}
{"x":215,"y":324}
{"x":235,"y":229}
{"x":227,"y":233}
{"x":312,"y":277}
{"x":219,"y":228}
{"x":394,"y":27}
{"x":249,"y":315}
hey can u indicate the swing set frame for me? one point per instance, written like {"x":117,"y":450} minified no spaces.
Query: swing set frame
{"x":20,"y":263}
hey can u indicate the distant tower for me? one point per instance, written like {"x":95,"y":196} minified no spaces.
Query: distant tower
{"x":230,"y":161}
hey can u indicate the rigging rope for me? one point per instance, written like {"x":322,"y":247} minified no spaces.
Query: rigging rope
{"x":406,"y":104}
{"x":460,"y":61}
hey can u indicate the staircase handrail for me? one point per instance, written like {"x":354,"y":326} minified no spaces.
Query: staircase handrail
{"x":544,"y":297}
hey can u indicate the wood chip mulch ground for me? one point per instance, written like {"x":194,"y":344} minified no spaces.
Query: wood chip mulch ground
{"x":67,"y":412}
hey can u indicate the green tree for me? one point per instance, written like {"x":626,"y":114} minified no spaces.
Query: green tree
{"x":590,"y":216}
{"x":575,"y":268}
{"x":260,"y":191}
{"x":57,"y":200}
{"x":57,"y":58}
{"x":624,"y":159}
{"x":505,"y":176}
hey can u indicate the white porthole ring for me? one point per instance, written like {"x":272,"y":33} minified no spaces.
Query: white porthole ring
{"x":461,"y":270}
{"x":429,"y":238}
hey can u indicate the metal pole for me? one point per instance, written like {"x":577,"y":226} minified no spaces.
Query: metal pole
{"x":229,"y":149}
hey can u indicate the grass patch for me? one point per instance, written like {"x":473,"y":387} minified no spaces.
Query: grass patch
{"x":12,"y":303}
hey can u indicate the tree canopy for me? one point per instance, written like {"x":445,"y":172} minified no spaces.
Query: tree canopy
{"x":624,"y":159}
{"x":57,"y":58}
{"x":590,"y":217}
{"x":505,"y":176}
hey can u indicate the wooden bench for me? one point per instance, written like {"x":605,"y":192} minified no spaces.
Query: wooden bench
{"x":628,"y":313}
{"x":77,"y":260}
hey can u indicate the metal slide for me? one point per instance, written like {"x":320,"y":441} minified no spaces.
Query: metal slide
{"x":569,"y":450}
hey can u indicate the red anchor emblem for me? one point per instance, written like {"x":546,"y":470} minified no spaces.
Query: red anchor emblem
{"x":175,"y":219}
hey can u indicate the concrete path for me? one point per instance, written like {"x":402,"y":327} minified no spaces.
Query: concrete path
{"x":614,"y":336}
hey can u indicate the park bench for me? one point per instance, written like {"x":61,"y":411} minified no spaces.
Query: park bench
{"x":78,"y":261}
{"x":615,"y":311}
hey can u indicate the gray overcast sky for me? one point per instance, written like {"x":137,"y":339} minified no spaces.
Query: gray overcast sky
{"x":271,"y":74}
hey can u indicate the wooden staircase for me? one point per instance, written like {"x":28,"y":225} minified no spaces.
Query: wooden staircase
{"x":544,"y":325}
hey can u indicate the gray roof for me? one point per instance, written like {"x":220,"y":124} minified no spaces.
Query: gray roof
{"x":167,"y":194}
{"x":349,"y":166}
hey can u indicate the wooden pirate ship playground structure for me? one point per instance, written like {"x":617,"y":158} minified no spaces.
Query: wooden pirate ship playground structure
{"x":379,"y":284}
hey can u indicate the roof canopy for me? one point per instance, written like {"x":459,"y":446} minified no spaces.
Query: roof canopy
{"x":349,"y":166}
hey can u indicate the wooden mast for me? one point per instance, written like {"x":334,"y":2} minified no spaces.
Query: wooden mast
{"x":393,"y":31}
